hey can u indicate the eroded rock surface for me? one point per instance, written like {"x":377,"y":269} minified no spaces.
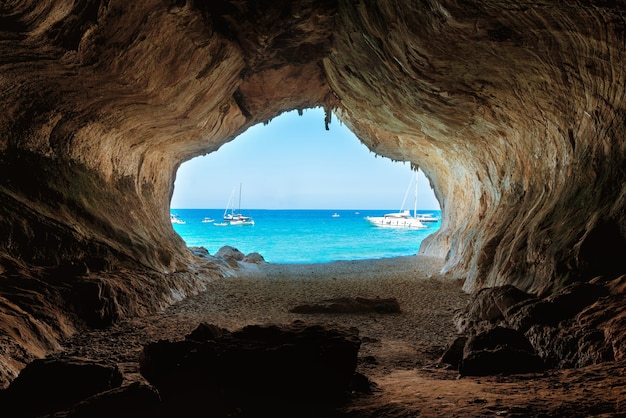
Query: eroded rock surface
{"x":50,"y":385}
{"x":514,"y":111}
{"x":254,"y":370}
{"x":575,"y":327}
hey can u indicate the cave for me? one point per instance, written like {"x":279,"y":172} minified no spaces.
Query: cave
{"x":515,"y":112}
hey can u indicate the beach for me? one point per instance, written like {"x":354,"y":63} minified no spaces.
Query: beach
{"x":399,"y":351}
{"x":264,"y":294}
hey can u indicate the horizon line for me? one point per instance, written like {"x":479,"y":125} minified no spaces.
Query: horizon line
{"x":329,"y":209}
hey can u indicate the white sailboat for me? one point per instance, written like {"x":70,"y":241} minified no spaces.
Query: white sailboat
{"x":401,"y":219}
{"x":236,"y":218}
{"x":175,"y":219}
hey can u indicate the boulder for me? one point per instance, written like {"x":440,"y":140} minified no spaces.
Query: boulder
{"x":502,"y":360}
{"x":254,"y":258}
{"x":49,"y":385}
{"x":577,"y":326}
{"x":300,"y":362}
{"x":134,"y":400}
{"x":571,"y":345}
{"x":206,"y":332}
{"x":573,"y":298}
{"x":555,"y":308}
{"x":453,"y":354}
{"x":491,"y":305}
{"x":499,"y":351}
{"x":230,"y":253}
{"x":200,"y":252}
{"x":350,"y":306}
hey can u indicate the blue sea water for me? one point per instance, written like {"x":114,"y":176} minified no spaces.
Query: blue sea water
{"x":303,"y":236}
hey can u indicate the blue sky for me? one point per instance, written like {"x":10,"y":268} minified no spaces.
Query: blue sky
{"x":294,"y":163}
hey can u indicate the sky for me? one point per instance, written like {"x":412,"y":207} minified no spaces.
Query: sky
{"x":293,"y":162}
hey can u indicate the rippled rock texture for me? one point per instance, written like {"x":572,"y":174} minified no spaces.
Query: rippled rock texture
{"x":515,"y":112}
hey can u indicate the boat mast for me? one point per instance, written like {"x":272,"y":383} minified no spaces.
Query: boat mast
{"x":239,"y":198}
{"x":230,"y":201}
{"x":415,"y":201}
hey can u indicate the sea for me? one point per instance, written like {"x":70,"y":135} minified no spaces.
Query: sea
{"x":303,"y":236}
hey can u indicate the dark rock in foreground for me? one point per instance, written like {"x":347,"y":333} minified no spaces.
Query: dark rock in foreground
{"x":255,"y":367}
{"x":134,"y":400}
{"x":49,"y":385}
{"x":499,"y":350}
{"x":350,"y":306}
{"x":504,"y":330}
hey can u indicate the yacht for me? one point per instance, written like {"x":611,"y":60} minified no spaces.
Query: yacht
{"x":427,"y":217}
{"x":239,"y":219}
{"x":401,"y":219}
{"x":236,"y":218}
{"x":175,"y":219}
{"x":396,"y":220}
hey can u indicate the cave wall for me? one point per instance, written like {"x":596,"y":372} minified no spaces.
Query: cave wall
{"x":514,"y":111}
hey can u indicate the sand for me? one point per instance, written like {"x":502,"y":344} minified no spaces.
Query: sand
{"x":399,"y":352}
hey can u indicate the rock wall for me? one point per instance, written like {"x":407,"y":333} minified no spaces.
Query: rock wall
{"x":514,"y":111}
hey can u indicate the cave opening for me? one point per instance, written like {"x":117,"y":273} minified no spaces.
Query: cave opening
{"x":308,"y":190}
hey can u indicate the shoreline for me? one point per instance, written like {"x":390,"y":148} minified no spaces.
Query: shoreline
{"x":417,"y":265}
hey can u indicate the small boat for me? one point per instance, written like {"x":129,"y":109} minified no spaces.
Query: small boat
{"x":236,"y":218}
{"x":208,"y":220}
{"x":175,"y":219}
{"x":402,"y":219}
{"x":335,"y":215}
{"x":220,"y":224}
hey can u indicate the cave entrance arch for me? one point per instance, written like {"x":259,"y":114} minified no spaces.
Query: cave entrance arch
{"x":294,"y":176}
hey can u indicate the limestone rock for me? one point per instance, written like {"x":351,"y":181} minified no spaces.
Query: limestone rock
{"x":501,"y":360}
{"x":49,"y":385}
{"x":206,"y":332}
{"x":200,"y":251}
{"x":350,"y":306}
{"x":230,"y":253}
{"x":574,"y":327}
{"x":254,"y":258}
{"x":453,"y":354}
{"x":491,"y":305}
{"x":135,"y":400}
{"x":301,"y":363}
{"x":499,"y":351}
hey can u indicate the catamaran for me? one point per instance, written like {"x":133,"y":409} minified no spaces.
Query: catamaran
{"x":401,"y":219}
{"x":236,"y":218}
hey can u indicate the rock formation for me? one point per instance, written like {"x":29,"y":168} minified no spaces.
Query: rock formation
{"x":504,"y":329}
{"x":515,"y":112}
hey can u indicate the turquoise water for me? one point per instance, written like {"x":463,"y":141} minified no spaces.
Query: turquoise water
{"x":303,"y":236}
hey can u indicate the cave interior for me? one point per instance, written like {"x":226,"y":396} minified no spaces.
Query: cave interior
{"x":515,"y":112}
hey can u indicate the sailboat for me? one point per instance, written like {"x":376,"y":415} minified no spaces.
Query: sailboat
{"x":236,"y":218}
{"x":401,"y":219}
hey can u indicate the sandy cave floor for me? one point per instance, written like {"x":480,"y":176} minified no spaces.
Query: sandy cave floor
{"x":399,"y":352}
